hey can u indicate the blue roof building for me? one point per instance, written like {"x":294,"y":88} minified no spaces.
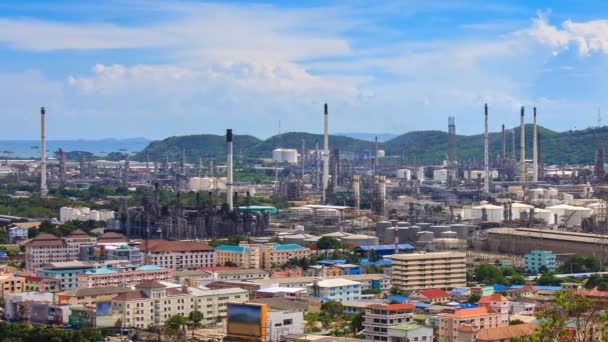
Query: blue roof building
{"x":386,"y":249}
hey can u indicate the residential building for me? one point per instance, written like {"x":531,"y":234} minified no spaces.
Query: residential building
{"x":380,"y":317}
{"x":290,"y":272}
{"x":123,"y":276}
{"x":89,"y":296}
{"x":409,"y":332}
{"x":499,"y":304}
{"x":432,"y":296}
{"x":483,"y":291}
{"x":338,"y":289}
{"x":524,"y":291}
{"x":128,"y":252}
{"x":18,"y":232}
{"x":368,"y":281}
{"x":506,"y":333}
{"x":240,"y":256}
{"x":152,"y":303}
{"x":11,"y":284}
{"x":418,"y":271}
{"x":178,"y":254}
{"x":275,"y":255}
{"x":537,"y":259}
{"x":465,"y":324}
{"x":39,"y":284}
{"x":237,"y":274}
{"x":66,"y":273}
{"x":47,"y":248}
{"x":283,"y":322}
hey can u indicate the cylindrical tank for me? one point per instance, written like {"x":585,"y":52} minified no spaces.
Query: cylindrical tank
{"x":437,"y":230}
{"x":404,"y":174}
{"x":404,"y":235}
{"x":381,"y":228}
{"x":381,"y":154}
{"x":413,"y":232}
{"x":290,"y":155}
{"x":462,"y":230}
{"x":389,"y":235}
{"x":277,"y":155}
{"x":403,"y":224}
{"x":424,"y":226}
{"x":194,"y":184}
{"x":425,"y":237}
{"x":448,"y":235}
{"x":206,"y":183}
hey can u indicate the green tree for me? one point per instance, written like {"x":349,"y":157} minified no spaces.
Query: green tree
{"x":332,"y":308}
{"x":230,"y":264}
{"x":548,"y":279}
{"x":588,"y":319}
{"x":489,"y":275}
{"x":580,"y":264}
{"x":173,"y":325}
{"x":356,"y":322}
{"x":328,"y":242}
{"x":517,"y":279}
{"x":196,"y":317}
{"x":474,"y":298}
{"x":596,"y":280}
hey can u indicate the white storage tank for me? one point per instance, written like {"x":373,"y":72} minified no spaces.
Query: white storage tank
{"x":206,"y":183}
{"x":289,"y":155}
{"x":518,"y":208}
{"x":381,"y":154}
{"x":194,"y":184}
{"x":494,"y":213}
{"x":277,"y":155}
{"x":569,"y":215}
{"x":93,"y":215}
{"x":404,"y":174}
{"x":440,"y":175}
{"x":220,"y":183}
{"x":545,"y":215}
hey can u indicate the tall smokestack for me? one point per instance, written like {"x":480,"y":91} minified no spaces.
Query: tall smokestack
{"x":375,"y":160}
{"x":357,"y":191}
{"x":522,"y":145}
{"x":504,"y":143}
{"x":229,"y":186}
{"x":325,"y":153}
{"x":535,"y":149}
{"x":61,"y":167}
{"x":43,"y":186}
{"x":486,"y":153}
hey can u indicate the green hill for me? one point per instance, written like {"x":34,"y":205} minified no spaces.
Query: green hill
{"x":294,"y":140}
{"x":428,"y":147}
{"x":206,"y":145}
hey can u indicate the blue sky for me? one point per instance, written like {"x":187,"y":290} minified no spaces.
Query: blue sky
{"x":147,"y":68}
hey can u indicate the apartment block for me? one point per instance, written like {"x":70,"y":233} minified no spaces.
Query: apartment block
{"x":379,"y":318}
{"x":123,"y":276}
{"x":335,"y":289}
{"x":47,"y":248}
{"x":537,"y":259}
{"x":178,"y":254}
{"x":464,"y":325}
{"x":152,"y":303}
{"x":419,"y":271}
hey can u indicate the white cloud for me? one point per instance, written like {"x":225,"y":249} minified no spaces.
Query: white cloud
{"x":587,"y":37}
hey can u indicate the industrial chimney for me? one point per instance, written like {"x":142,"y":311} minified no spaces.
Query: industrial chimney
{"x":43,"y":186}
{"x":486,"y":154}
{"x":535,"y":149}
{"x":325,"y":154}
{"x":504,"y":143}
{"x":522,"y":145}
{"x":229,"y":191}
{"x":357,"y":191}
